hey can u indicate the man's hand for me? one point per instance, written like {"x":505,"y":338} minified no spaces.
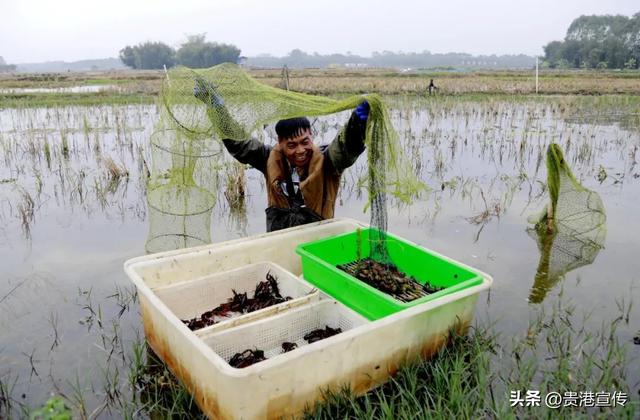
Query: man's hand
{"x":362,"y":111}
{"x":207,"y":92}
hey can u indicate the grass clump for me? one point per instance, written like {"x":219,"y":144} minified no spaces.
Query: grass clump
{"x":54,"y":409}
{"x":158,"y":394}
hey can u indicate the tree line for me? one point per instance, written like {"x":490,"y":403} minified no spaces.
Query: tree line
{"x":301,"y":59}
{"x":599,"y":42}
{"x":196,"y":52}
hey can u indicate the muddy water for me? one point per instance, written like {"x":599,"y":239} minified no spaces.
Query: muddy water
{"x":67,"y":316}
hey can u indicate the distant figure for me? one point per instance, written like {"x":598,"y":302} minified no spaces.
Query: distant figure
{"x":432,"y":87}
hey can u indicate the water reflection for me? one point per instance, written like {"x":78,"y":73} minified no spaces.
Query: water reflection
{"x":559,"y":253}
{"x":571,"y":229}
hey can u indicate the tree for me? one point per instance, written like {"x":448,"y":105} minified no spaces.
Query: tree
{"x":553,"y":52}
{"x":572,"y":52}
{"x":198,"y":53}
{"x":615,"y":53}
{"x":594,"y":57}
{"x":148,"y":55}
{"x":592,"y":40}
{"x":128,"y":57}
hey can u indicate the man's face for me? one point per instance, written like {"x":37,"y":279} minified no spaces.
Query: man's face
{"x":298,"y":149}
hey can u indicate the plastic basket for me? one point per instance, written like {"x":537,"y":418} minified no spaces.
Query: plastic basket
{"x":192,"y":298}
{"x":320,"y":258}
{"x":285,"y":385}
{"x":268,"y":334}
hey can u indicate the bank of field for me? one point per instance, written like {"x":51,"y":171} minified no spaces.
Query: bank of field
{"x":142,"y":86}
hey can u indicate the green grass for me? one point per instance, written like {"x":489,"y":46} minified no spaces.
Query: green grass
{"x":106,"y":81}
{"x":38,"y":100}
{"x":454,"y":384}
{"x":472,"y":377}
{"x":331,"y":81}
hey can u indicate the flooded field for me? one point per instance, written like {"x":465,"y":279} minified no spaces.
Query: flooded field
{"x":70,"y":89}
{"x":73,"y":208}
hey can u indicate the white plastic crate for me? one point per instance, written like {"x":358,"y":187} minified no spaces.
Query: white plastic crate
{"x":192,"y":298}
{"x":360,"y":358}
{"x":268,"y":334}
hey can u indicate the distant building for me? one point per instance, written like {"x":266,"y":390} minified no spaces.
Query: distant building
{"x":356,"y":65}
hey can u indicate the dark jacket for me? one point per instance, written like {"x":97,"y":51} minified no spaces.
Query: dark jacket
{"x":319,"y":188}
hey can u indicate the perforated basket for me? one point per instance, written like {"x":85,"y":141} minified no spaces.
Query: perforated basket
{"x":268,"y":334}
{"x":192,"y":298}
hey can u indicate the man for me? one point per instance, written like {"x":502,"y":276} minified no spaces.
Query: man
{"x":302,"y":178}
{"x":432,"y":87}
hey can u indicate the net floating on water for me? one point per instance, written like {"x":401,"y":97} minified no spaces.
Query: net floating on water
{"x":570,"y":231}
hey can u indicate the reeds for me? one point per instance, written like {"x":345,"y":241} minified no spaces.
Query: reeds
{"x":26,"y":210}
{"x":236,"y":183}
{"x":116,"y":172}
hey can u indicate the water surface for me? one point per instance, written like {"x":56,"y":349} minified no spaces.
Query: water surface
{"x":67,"y":224}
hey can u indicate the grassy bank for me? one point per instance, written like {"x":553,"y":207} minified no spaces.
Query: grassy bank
{"x":38,"y":100}
{"x":616,"y":102}
{"x":126,"y":85}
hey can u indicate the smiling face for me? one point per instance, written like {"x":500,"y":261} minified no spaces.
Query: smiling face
{"x":298,"y":149}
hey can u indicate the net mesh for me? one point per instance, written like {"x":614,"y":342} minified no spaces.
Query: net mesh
{"x":570,"y":231}
{"x":224,"y":102}
{"x":181,"y":192}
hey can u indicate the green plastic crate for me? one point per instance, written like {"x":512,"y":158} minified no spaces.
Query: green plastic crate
{"x":320,"y":258}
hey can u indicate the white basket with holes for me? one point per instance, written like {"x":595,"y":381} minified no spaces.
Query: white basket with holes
{"x":268,"y":334}
{"x":191,"y":299}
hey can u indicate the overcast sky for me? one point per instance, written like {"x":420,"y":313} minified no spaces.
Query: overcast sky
{"x":46,"y":30}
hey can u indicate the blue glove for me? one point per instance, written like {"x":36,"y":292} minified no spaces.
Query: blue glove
{"x":207,"y":92}
{"x":362,"y":111}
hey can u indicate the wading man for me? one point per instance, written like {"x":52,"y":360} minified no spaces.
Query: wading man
{"x":432,"y":87}
{"x":302,"y":178}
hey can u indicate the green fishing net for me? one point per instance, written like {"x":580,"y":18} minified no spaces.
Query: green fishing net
{"x":231,"y":105}
{"x":570,"y":230}
{"x":182,"y":190}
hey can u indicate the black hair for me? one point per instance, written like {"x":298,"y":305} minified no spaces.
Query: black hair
{"x":286,"y":129}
